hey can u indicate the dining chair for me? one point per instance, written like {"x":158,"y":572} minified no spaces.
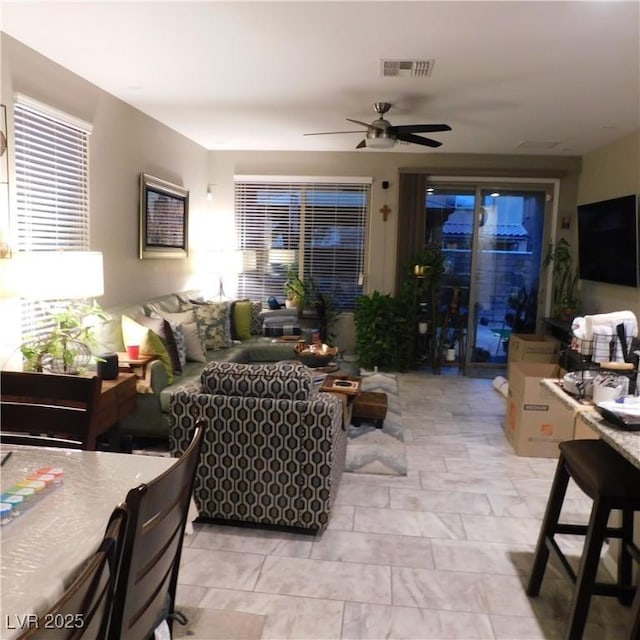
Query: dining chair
{"x":157,"y":511}
{"x":50,"y":406}
{"x":84,"y":609}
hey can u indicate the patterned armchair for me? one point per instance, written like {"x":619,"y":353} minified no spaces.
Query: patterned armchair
{"x":274,"y":449}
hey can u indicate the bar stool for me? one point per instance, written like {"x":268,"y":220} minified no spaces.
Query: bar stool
{"x":612,"y":482}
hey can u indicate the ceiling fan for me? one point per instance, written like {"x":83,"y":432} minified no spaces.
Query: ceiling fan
{"x":380,"y":134}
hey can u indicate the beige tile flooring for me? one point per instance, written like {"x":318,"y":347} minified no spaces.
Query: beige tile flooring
{"x":443,"y":552}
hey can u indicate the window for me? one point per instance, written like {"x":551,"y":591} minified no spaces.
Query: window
{"x":52,"y":186}
{"x":318,"y":225}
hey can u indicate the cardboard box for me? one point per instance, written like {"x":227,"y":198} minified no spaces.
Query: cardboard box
{"x":525,"y":347}
{"x":536,"y":421}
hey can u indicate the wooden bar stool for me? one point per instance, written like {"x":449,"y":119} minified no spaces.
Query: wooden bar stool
{"x":611,"y":482}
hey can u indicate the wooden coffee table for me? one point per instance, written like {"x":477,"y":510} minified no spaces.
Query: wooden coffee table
{"x":348,"y":388}
{"x":349,"y":385}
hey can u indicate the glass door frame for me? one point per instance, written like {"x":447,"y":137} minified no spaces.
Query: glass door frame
{"x":551,"y":187}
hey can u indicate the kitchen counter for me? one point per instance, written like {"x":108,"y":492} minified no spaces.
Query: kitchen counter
{"x":627,"y":443}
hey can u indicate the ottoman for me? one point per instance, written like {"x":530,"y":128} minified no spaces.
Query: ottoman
{"x":371,"y":406}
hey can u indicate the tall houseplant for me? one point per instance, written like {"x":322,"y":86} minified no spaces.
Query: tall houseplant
{"x":564,"y":296}
{"x":381,"y":332}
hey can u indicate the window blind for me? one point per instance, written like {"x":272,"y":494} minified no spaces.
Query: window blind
{"x":52,"y":184}
{"x":52,"y":189}
{"x":316,"y":227}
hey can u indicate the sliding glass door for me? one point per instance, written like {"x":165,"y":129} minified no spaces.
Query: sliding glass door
{"x":492,"y":241}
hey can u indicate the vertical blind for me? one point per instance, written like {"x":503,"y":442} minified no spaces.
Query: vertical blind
{"x":52,"y":189}
{"x":316,"y":227}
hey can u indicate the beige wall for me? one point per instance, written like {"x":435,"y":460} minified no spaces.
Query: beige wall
{"x":609,"y":172}
{"x":380,"y":166}
{"x":123,"y":144}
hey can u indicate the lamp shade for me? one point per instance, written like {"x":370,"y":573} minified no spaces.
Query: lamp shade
{"x":8,"y":280}
{"x":249,"y":260}
{"x":58,"y":275}
{"x":282,"y":256}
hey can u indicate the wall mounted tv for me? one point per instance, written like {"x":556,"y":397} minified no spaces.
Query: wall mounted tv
{"x":608,"y":236}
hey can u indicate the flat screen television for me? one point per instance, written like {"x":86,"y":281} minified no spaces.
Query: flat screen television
{"x":608,"y":234}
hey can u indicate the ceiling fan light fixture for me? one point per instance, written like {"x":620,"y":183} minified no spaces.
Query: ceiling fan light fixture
{"x":379,"y":139}
{"x":380,"y":143}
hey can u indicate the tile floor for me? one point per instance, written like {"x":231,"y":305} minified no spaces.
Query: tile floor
{"x":443,"y":552}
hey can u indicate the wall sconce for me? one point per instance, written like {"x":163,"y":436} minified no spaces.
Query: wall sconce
{"x":420,"y":270}
{"x":209,"y":192}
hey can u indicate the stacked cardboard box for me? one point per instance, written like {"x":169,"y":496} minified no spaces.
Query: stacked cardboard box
{"x":536,"y":421}
{"x":532,"y":348}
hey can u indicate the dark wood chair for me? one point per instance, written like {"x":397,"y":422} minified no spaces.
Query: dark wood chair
{"x":611,"y":482}
{"x":84,"y":609}
{"x":50,"y":406}
{"x":146,"y":590}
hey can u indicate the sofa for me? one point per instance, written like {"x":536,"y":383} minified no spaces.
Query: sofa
{"x":274,"y":446}
{"x":153,"y":322}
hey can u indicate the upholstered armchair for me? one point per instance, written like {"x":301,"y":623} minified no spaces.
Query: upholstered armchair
{"x":274,"y":448}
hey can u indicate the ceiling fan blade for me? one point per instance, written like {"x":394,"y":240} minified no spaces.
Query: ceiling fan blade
{"x":364,"y":124}
{"x":421,"y":128}
{"x":409,"y":137}
{"x":361,"y":144}
{"x":331,"y":133}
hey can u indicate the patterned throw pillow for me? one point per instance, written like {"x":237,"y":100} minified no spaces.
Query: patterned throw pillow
{"x":214,"y":324}
{"x":181,"y":344}
{"x":184,"y":318}
{"x":256,"y":320}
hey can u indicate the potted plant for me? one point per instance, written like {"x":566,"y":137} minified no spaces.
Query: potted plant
{"x":66,"y":347}
{"x":564,"y":297}
{"x":297,"y":291}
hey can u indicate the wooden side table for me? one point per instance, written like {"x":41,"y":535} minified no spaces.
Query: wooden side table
{"x":117,"y":400}
{"x":137,"y":366}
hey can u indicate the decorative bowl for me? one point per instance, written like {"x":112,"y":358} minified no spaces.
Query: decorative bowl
{"x":315,"y":355}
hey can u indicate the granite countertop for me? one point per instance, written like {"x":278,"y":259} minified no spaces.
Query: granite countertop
{"x":625,"y":442}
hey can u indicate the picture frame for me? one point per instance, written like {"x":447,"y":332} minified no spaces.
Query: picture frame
{"x":164,"y":217}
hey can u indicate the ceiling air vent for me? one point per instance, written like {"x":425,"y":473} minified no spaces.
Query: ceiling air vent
{"x":406,"y":68}
{"x":537,"y":144}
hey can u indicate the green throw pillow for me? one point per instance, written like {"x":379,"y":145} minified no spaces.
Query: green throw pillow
{"x":150,"y":343}
{"x":242,"y":319}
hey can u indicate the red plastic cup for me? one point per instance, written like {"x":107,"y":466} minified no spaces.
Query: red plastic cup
{"x":133,"y":352}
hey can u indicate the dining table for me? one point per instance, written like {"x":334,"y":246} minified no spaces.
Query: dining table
{"x":46,"y":544}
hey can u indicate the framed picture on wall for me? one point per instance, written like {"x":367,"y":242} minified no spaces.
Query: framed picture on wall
{"x":164,"y":215}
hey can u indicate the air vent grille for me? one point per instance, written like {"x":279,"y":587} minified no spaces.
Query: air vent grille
{"x":537,"y":144}
{"x":406,"y":68}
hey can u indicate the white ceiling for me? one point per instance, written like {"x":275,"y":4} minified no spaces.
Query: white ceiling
{"x":258,"y":75}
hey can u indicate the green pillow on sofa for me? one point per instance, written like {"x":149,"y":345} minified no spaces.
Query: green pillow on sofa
{"x":242,"y":319}
{"x":150,"y":343}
